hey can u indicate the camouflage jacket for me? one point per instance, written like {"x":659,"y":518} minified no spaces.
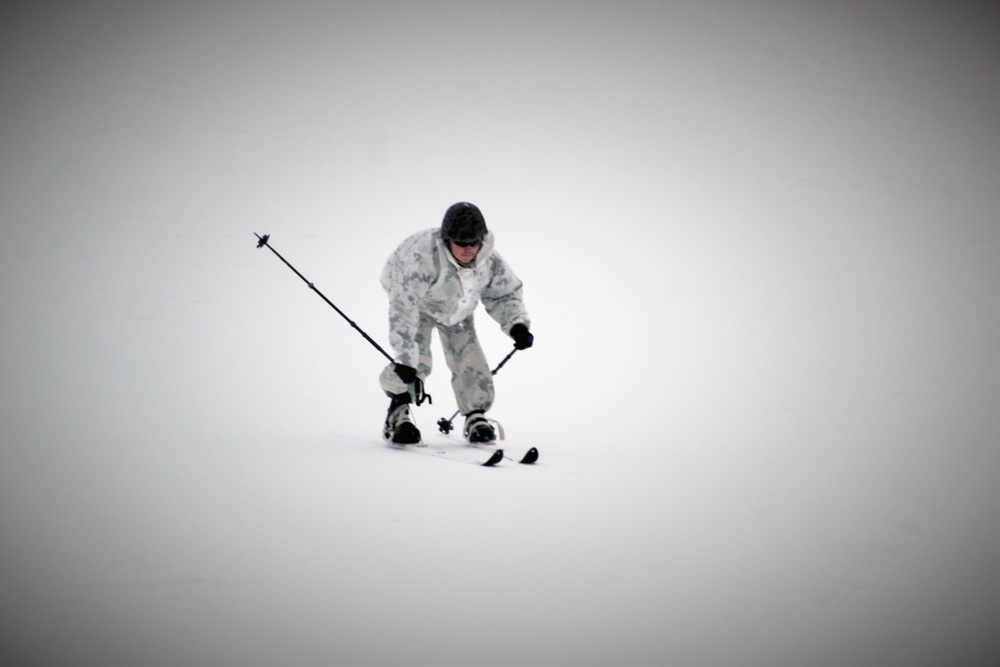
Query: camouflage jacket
{"x":422,"y":277}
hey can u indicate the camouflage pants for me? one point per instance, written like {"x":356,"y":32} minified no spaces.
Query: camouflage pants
{"x":471,"y":379}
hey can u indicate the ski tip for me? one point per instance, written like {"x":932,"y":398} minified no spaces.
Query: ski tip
{"x":530,"y":456}
{"x":496,"y":458}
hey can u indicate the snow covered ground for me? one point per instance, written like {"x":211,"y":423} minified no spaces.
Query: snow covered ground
{"x":761,"y":248}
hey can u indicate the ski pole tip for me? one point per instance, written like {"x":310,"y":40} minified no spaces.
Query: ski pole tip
{"x":263,"y":239}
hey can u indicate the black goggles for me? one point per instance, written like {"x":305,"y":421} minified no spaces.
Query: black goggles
{"x":467,"y":244}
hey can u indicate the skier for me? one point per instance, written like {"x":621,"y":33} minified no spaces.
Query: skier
{"x":434,"y":280}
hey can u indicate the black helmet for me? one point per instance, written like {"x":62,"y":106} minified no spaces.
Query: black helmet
{"x":463,"y":222}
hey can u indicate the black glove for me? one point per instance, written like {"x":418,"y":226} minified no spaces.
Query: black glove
{"x":406,"y":373}
{"x":522,"y":337}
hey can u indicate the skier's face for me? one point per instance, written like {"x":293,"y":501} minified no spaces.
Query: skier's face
{"x":464,"y":253}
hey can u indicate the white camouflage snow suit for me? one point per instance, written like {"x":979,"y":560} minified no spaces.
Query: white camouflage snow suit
{"x":429,"y":289}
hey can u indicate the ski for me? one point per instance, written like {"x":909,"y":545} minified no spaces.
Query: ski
{"x":529,"y":457}
{"x":440,"y":452}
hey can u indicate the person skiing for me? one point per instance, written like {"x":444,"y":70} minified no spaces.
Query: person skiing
{"x":434,"y":280}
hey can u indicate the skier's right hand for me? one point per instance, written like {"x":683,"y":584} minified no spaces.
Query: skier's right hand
{"x":406,"y":373}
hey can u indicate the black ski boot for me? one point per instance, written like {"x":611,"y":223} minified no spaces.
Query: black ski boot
{"x":478,"y":429}
{"x":399,"y":427}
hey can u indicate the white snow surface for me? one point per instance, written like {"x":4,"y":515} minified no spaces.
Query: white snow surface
{"x":761,"y":248}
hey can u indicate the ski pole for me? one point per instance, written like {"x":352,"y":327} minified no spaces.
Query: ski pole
{"x":263,"y":241}
{"x":416,"y":387}
{"x":446,"y":425}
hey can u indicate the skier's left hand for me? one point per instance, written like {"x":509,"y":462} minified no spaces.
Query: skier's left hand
{"x":522,"y":337}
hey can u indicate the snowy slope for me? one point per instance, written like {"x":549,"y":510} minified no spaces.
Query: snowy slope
{"x":761,"y":249}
